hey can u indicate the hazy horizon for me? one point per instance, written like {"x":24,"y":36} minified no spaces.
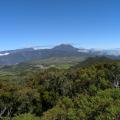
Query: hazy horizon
{"x":52,"y":46}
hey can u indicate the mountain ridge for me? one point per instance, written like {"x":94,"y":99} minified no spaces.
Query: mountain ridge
{"x":10,"y":57}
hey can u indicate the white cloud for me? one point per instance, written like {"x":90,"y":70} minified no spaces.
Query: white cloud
{"x":4,"y":54}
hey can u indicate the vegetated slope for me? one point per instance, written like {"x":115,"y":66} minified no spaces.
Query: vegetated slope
{"x":20,"y":71}
{"x":88,"y":93}
{"x":17,"y":73}
{"x":96,"y":60}
{"x":62,"y":62}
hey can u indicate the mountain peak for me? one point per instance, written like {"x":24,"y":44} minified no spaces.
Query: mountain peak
{"x":64,"y":47}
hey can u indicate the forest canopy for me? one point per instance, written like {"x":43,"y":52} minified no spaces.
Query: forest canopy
{"x":89,"y":92}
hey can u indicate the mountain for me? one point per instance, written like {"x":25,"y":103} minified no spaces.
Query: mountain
{"x":62,"y":51}
{"x":28,"y":54}
{"x":65,"y":47}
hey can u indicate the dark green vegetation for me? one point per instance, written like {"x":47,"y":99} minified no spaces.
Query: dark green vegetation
{"x":86,"y":91}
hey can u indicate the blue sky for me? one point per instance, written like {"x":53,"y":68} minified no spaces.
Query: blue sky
{"x":83,"y":23}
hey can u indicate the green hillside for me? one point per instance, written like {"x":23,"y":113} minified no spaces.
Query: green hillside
{"x":79,"y":93}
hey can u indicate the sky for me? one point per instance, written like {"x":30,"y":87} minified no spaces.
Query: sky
{"x":82,"y":23}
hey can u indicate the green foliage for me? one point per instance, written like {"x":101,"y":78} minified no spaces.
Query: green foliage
{"x":87,"y":93}
{"x":99,"y":107}
{"x":26,"y":117}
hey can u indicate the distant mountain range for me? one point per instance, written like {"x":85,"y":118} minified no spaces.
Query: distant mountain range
{"x":64,"y":50}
